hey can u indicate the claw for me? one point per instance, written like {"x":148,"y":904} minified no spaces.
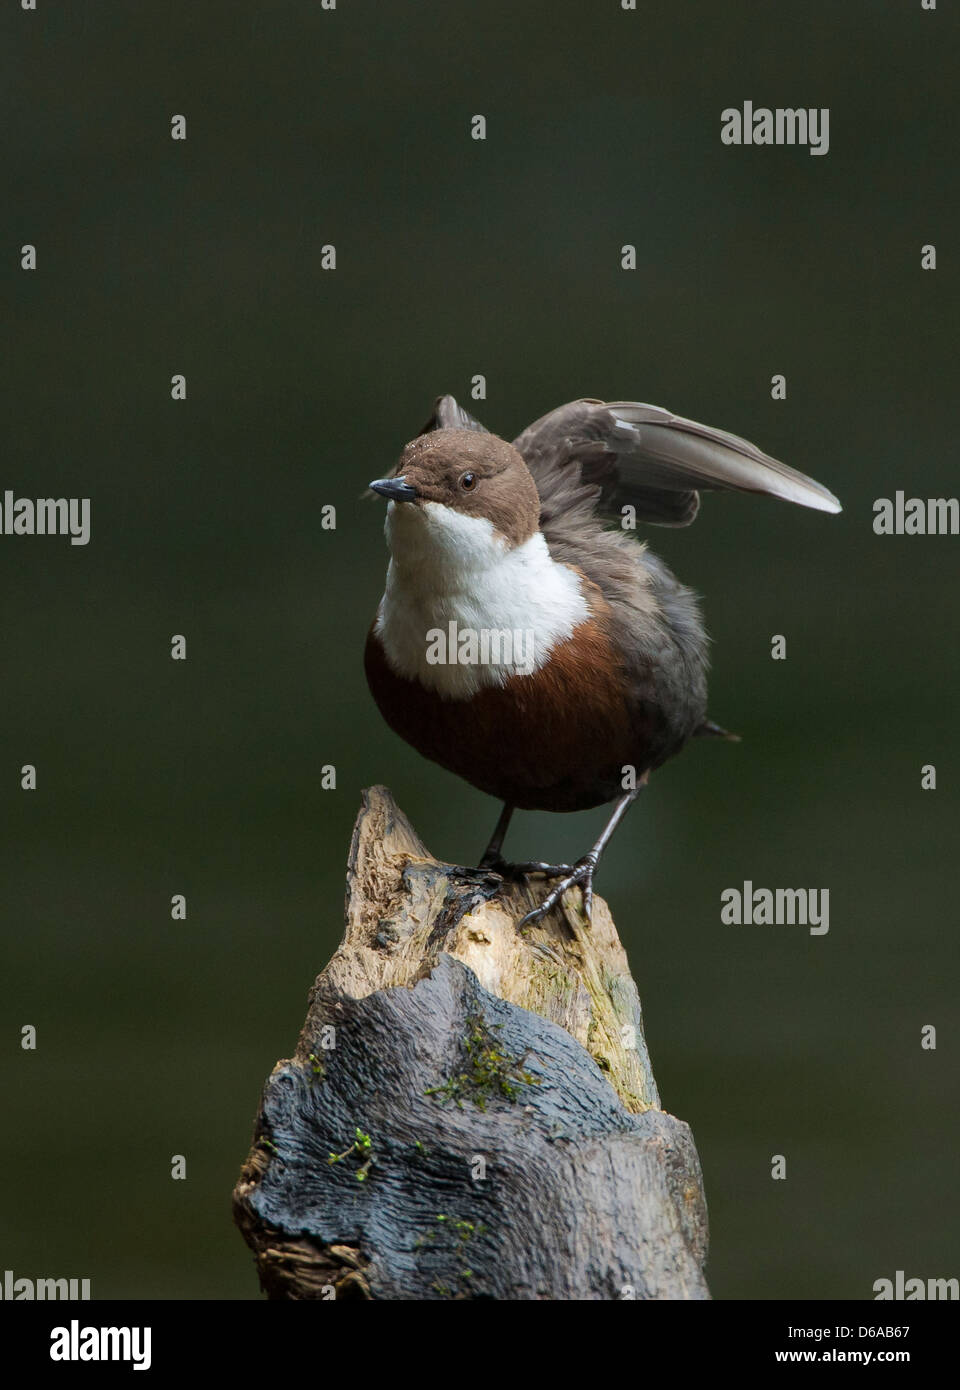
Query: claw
{"x":497,"y":865}
{"x":535,"y":866}
{"x":581,"y":873}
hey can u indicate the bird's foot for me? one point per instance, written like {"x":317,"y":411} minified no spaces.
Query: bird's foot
{"x":580,"y":873}
{"x":496,"y":864}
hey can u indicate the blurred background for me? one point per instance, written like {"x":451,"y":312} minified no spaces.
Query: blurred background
{"x":456,"y":257}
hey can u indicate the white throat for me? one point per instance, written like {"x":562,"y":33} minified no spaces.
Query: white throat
{"x":462,"y":610}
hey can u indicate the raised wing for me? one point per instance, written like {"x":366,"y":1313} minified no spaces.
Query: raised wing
{"x":617,"y":453}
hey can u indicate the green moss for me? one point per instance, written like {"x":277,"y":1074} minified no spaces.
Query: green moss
{"x":360,"y":1148}
{"x":447,"y":1242}
{"x":490,"y":1072}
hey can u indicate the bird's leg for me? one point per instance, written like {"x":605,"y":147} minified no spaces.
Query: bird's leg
{"x":582,"y":872}
{"x":494,"y":860}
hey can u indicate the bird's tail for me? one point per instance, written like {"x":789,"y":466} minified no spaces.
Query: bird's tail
{"x":710,"y":730}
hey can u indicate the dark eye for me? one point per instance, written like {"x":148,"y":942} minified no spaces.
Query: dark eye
{"x":468,"y":481}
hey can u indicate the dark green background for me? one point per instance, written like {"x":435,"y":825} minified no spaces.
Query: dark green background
{"x":457,"y":257}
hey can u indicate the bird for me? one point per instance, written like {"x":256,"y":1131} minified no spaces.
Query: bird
{"x":526,"y":640}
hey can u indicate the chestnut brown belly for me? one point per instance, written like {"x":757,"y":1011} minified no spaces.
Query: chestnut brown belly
{"x":556,"y":740}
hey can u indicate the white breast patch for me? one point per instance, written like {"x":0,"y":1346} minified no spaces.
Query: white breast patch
{"x":462,"y":610}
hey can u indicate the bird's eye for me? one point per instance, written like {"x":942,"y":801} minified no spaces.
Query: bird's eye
{"x":468,"y":481}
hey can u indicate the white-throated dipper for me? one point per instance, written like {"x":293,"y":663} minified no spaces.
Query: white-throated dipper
{"x":522,"y":643}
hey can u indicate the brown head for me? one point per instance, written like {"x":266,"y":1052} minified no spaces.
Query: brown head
{"x":474,"y":475}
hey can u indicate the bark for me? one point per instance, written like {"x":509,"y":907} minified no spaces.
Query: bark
{"x":470,"y":1111}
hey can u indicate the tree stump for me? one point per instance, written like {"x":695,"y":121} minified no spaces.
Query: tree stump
{"x":470,"y":1111}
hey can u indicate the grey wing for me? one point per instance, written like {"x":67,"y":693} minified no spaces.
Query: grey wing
{"x":605,"y":455}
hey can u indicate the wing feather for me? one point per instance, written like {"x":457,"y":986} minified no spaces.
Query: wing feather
{"x":626,"y":452}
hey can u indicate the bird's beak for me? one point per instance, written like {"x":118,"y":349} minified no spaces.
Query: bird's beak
{"x":396,"y":489}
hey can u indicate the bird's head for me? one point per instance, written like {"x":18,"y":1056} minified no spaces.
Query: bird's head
{"x":462,"y":493}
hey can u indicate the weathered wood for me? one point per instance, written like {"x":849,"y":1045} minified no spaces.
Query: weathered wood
{"x":488,"y":1094}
